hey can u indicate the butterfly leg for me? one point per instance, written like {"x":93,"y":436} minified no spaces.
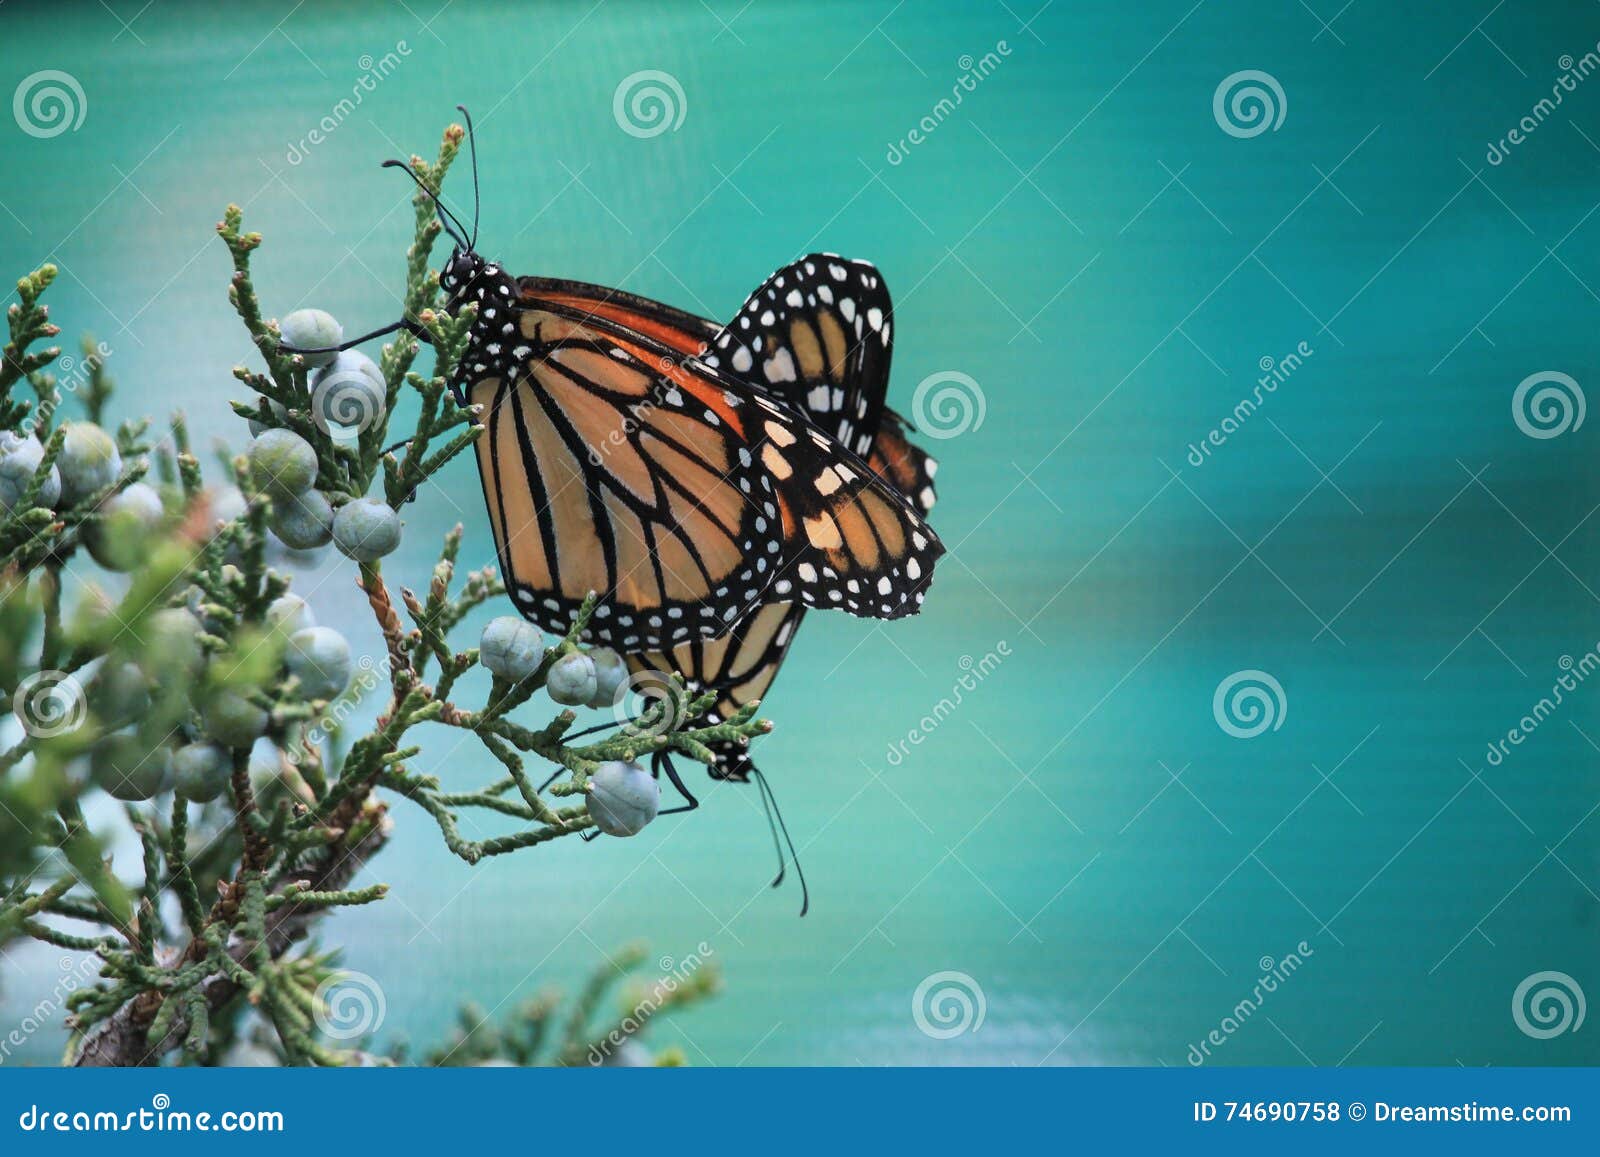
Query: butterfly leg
{"x":663,"y":761}
{"x":405,"y":323}
{"x":543,"y":787}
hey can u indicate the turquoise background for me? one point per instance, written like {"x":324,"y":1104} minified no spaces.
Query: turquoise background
{"x":1084,"y":241}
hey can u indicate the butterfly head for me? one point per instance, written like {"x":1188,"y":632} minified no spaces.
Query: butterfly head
{"x":461,"y":275}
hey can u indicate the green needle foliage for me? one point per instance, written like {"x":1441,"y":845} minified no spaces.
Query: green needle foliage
{"x":144,"y":646}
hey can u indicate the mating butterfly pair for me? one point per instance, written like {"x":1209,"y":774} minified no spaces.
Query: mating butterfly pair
{"x":710,"y":483}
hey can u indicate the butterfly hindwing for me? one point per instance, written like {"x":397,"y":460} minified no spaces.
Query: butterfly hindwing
{"x":740,"y":666}
{"x":905,"y":466}
{"x":854,"y":542}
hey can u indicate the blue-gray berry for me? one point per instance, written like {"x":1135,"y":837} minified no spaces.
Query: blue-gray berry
{"x":303,"y":521}
{"x":282,"y":463}
{"x":610,"y":672}
{"x":320,"y":658}
{"x":172,"y":642}
{"x":366,"y":529}
{"x":129,"y":768}
{"x":120,"y":538}
{"x":201,"y":771}
{"x":20,"y":459}
{"x":120,"y":693}
{"x":233,"y":720}
{"x":348,"y":396}
{"x":511,"y":648}
{"x":307,"y":329}
{"x":89,"y":461}
{"x":623,"y":798}
{"x":571,"y":680}
{"x":290,"y":613}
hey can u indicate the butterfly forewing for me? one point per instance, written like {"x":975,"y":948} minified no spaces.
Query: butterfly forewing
{"x":610,"y":467}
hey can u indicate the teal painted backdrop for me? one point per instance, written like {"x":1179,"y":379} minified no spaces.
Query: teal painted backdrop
{"x":1249,"y":404}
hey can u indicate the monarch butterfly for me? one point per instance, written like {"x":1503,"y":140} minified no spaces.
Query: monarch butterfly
{"x":708,"y":484}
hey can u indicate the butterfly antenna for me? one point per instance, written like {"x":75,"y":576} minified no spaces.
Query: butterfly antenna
{"x":472,"y":146}
{"x":458,"y":234}
{"x":805,"y":892}
{"x":772,"y":826}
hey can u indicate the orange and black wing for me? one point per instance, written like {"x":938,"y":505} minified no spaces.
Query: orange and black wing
{"x":683,"y":333}
{"x":608,"y":466}
{"x":906,"y":467}
{"x":854,"y":542}
{"x":819,"y":335}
